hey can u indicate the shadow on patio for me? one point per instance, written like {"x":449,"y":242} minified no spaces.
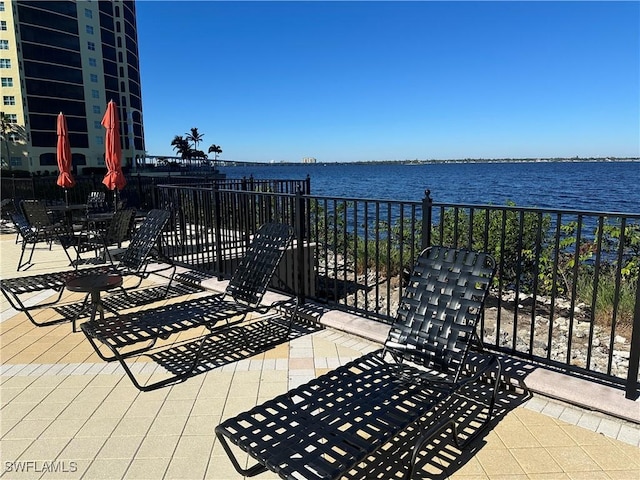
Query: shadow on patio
{"x":64,"y":409}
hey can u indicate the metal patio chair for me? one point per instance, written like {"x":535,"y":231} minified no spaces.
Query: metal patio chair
{"x":28,"y":235}
{"x":34,"y":225}
{"x":133,"y":262}
{"x":97,"y":203}
{"x":94,"y":238}
{"x":119,"y":338}
{"x":332,"y":424}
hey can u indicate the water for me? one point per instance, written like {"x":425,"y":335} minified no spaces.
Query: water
{"x":597,"y":186}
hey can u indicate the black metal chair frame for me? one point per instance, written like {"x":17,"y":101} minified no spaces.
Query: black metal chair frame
{"x":133,"y":262}
{"x":97,"y":203}
{"x":35,"y":226}
{"x":325,"y":428}
{"x":27,"y":236}
{"x":137,"y":333}
{"x":95,"y":238}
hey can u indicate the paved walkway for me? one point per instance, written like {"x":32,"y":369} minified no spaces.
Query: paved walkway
{"x":67,"y":414}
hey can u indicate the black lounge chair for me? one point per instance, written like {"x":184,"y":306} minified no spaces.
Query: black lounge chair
{"x":331,"y":425}
{"x":29,"y":235}
{"x":134,"y":261}
{"x":137,"y":333}
{"x":35,"y":226}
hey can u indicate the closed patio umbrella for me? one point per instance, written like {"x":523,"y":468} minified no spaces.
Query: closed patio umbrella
{"x":114,"y":179}
{"x":63,"y":154}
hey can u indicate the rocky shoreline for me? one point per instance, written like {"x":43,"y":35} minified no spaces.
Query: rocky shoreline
{"x":549,"y":339}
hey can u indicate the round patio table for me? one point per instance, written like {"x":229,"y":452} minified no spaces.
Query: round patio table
{"x":93,"y":285}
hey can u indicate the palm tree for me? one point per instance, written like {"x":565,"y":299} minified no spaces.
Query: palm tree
{"x":195,"y":137}
{"x":215,"y":149}
{"x":6,"y":129}
{"x":181,"y":146}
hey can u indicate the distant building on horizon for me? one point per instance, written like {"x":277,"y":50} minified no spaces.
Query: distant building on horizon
{"x":71,"y":57}
{"x":308,"y":160}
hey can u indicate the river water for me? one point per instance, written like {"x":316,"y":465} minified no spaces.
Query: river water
{"x":592,"y":186}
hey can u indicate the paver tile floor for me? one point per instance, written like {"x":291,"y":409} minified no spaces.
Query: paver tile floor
{"x":66,"y":414}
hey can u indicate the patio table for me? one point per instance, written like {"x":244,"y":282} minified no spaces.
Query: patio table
{"x":93,"y":285}
{"x":67,"y":211}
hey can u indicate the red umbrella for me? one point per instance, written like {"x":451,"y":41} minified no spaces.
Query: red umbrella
{"x":63,"y":153}
{"x":113,"y":151}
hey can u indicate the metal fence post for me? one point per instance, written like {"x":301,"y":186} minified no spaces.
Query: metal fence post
{"x":631,"y":390}
{"x":154,"y":193}
{"x":217,"y":221}
{"x":300,"y":233}
{"x":140,"y":196}
{"x":427,"y":205}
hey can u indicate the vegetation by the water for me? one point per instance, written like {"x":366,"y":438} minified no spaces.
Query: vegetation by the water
{"x":536,"y":255}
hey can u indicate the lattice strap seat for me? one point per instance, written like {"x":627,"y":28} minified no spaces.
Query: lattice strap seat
{"x":324,"y":428}
{"x":136,"y":333}
{"x":161,"y":322}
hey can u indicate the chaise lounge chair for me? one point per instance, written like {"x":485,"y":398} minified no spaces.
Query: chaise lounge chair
{"x":331,"y":425}
{"x":133,"y":262}
{"x":119,"y":338}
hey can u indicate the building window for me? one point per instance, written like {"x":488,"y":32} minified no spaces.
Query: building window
{"x":6,"y":82}
{"x":5,"y":63}
{"x":97,"y":124}
{"x":88,"y":13}
{"x":93,"y":62}
{"x":8,"y":100}
{"x":3,"y":25}
{"x":91,"y":46}
{"x":94,"y":78}
{"x":89,"y":29}
{"x":1,"y":6}
{"x":95,"y":94}
{"x":11,"y":117}
{"x":96,"y":109}
{"x":99,"y":141}
{"x":16,"y":161}
{"x":4,"y":44}
{"x":48,"y":160}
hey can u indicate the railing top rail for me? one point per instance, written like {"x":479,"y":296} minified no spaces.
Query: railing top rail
{"x":537,"y":209}
{"x":563,"y":211}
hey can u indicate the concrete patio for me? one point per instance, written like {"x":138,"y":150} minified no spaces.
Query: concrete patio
{"x":67,"y":414}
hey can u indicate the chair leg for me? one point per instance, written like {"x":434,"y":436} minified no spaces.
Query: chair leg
{"x":450,"y":423}
{"x":28,"y":262}
{"x":252,"y":471}
{"x":17,"y":304}
{"x":20,"y":264}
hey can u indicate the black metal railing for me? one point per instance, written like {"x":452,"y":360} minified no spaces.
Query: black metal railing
{"x":565,"y":294}
{"x":140,"y":191}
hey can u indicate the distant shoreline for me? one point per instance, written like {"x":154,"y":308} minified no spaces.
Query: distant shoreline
{"x":231,"y":163}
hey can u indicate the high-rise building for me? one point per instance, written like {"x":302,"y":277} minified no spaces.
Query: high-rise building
{"x":71,"y":57}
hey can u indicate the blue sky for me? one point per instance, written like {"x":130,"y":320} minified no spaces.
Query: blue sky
{"x":356,"y":81}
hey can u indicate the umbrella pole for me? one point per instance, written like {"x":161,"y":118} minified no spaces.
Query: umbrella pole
{"x":66,"y":197}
